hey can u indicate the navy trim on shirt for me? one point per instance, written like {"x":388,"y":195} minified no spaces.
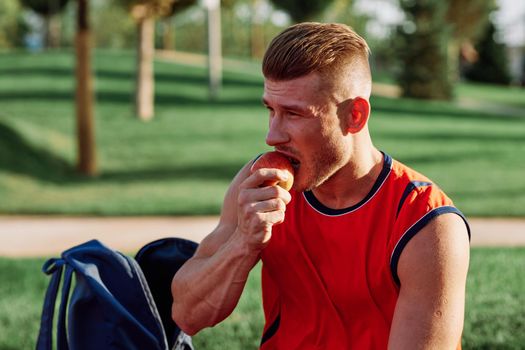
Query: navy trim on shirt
{"x":410,"y":187}
{"x":320,"y":207}
{"x":270,"y":332}
{"x":414,"y":229}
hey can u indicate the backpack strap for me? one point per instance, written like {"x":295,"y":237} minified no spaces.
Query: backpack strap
{"x":45,"y":335}
{"x":62,"y":343}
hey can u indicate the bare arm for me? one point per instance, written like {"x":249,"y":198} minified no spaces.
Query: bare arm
{"x":207,"y":288}
{"x":432,"y":270}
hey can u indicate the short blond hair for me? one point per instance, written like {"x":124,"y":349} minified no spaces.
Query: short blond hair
{"x":326,"y":48}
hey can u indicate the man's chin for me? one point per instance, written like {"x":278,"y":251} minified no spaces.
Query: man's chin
{"x":301,"y":187}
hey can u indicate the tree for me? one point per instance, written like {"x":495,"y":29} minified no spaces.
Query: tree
{"x":423,"y":50}
{"x":522,"y":79}
{"x":214,"y":47}
{"x":120,"y":34}
{"x":48,"y":9}
{"x":301,"y":10}
{"x":12,"y":27}
{"x":245,"y":26}
{"x":144,"y":12}
{"x":492,"y":64}
{"x":167,"y":30}
{"x":257,"y":45}
{"x":84,"y":93}
{"x":468,"y":20}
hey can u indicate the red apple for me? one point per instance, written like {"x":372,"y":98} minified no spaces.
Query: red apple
{"x":275,"y":160}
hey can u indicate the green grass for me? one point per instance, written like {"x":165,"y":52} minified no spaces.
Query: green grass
{"x":494,"y":308}
{"x":511,"y":96}
{"x":182,"y":162}
{"x":495,"y":300}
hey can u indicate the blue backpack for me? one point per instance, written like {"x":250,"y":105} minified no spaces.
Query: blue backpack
{"x":117,"y":302}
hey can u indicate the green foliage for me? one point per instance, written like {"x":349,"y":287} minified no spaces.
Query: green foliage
{"x":45,"y":7}
{"x":12,"y":26}
{"x":237,"y":29}
{"x":492,"y":64}
{"x":469,"y":17}
{"x":113,"y":27}
{"x":342,"y":11}
{"x":494,"y":317}
{"x":148,"y":7}
{"x":191,"y":32}
{"x":302,"y":10}
{"x":422,"y":50}
{"x":180,"y":5}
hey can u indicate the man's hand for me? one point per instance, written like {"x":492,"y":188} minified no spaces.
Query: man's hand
{"x":208,"y":286}
{"x":259,"y":208}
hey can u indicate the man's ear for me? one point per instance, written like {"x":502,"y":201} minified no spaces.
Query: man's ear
{"x":358,"y":116}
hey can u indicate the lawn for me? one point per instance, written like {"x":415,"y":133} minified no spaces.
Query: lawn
{"x":181,"y":162}
{"x":494,"y":315}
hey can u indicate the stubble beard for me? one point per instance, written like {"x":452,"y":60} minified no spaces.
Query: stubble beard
{"x":324,"y":165}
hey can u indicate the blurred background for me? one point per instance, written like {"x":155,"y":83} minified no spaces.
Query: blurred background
{"x":79,"y":79}
{"x":148,"y":108}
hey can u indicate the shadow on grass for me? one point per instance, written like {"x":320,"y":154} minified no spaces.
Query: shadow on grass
{"x":489,"y":192}
{"x":49,"y":72}
{"x":200,"y":79}
{"x":424,"y":136}
{"x":222,"y":171}
{"x":431,"y":109}
{"x":20,"y":157}
{"x":161,"y":99}
{"x":439,"y":157}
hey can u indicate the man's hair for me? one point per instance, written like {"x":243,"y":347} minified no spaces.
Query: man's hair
{"x":329,"y":49}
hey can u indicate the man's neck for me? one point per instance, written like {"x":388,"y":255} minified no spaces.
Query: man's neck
{"x":353,"y":182}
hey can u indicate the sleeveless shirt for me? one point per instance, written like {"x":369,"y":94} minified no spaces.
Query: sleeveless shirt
{"x":329,"y":277}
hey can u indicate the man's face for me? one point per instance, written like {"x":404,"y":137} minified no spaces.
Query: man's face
{"x":305,"y":127}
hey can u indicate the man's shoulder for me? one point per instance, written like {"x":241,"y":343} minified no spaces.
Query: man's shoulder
{"x":415,"y":194}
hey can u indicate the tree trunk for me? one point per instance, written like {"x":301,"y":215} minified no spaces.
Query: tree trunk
{"x":257,"y":40}
{"x":144,"y":90}
{"x":47,"y":33}
{"x":54,"y":31}
{"x":453,"y":60}
{"x":168,"y":37}
{"x":256,"y":32}
{"x":214,"y":49}
{"x":84,"y":94}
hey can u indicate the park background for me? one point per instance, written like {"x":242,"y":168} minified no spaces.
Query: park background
{"x":131,"y":108}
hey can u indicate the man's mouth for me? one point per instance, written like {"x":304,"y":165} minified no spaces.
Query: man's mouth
{"x":295,"y":163}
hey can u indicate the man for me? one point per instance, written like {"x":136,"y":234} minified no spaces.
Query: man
{"x":363,"y":253}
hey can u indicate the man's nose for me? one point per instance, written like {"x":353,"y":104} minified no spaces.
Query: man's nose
{"x":277,"y":134}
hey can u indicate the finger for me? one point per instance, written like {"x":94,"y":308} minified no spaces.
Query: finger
{"x":275,"y":204}
{"x":255,"y":214}
{"x":283,"y":194}
{"x":274,"y":217}
{"x":252,"y":195}
{"x":260,"y":176}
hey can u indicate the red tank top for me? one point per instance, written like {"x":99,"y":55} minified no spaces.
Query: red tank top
{"x":329,"y":277}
